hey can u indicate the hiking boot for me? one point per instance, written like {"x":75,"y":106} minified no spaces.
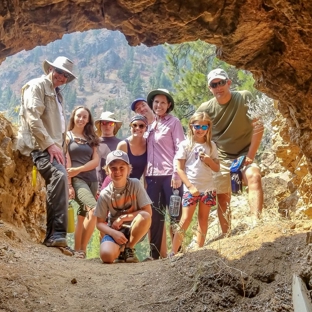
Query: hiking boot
{"x":130,"y":255}
{"x":120,"y":259}
{"x":55,"y":242}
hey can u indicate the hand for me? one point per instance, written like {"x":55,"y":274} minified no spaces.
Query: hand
{"x":248,"y":161}
{"x":57,"y":153}
{"x":193,"y":190}
{"x":117,"y":224}
{"x":72,"y":172}
{"x":202,"y":156}
{"x":71,"y":192}
{"x":175,"y":184}
{"x":119,"y":238}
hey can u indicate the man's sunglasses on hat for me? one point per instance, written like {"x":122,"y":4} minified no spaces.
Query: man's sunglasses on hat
{"x":220,"y":83}
{"x":62,"y":72}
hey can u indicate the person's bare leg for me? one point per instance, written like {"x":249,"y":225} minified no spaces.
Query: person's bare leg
{"x":185,"y":221}
{"x":88,"y":229}
{"x":78,"y":232}
{"x":255,"y":191}
{"x":203,"y":215}
{"x":224,"y":212}
{"x":139,"y":227}
{"x":109,"y":251}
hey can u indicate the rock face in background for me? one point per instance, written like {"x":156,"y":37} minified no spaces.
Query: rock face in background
{"x":271,"y":38}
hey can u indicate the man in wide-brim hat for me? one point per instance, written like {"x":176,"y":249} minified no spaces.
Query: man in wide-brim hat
{"x":41,"y":135}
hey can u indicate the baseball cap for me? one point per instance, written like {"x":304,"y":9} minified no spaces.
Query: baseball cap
{"x":136,"y":101}
{"x":117,"y":155}
{"x":217,"y":73}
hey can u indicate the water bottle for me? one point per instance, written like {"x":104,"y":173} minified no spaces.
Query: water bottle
{"x":71,"y":219}
{"x":34,"y":176}
{"x":175,"y":204}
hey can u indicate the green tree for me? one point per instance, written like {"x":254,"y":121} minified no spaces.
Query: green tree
{"x":80,"y":82}
{"x":124,"y":72}
{"x":102,"y":73}
{"x":76,"y":45}
{"x":136,"y":88}
{"x":188,"y":64}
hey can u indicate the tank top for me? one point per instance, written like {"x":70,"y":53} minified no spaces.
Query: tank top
{"x":80,"y":154}
{"x":138,"y":162}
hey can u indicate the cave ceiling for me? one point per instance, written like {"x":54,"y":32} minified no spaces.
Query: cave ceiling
{"x":271,"y":38}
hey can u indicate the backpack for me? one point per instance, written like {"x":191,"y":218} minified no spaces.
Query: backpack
{"x":236,"y":175}
{"x":25,"y":142}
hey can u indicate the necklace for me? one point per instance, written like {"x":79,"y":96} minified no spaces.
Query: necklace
{"x":117,"y":196}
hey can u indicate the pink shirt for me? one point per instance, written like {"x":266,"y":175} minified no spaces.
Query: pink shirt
{"x":162,"y":144}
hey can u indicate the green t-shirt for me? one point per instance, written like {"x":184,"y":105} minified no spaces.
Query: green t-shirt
{"x":232,"y":128}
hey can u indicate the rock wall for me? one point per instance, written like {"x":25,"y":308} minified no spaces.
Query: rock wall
{"x":20,"y":203}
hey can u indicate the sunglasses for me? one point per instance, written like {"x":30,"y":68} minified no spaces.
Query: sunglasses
{"x":134,"y":126}
{"x":61,"y":72}
{"x":220,"y":83}
{"x":80,"y":141}
{"x":197,"y":127}
{"x":108,"y":123}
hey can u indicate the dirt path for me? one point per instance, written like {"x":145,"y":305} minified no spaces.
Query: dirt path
{"x":249,"y":271}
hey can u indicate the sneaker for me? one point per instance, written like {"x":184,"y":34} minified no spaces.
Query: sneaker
{"x":130,"y":255}
{"x":55,"y":242}
{"x":120,"y":259}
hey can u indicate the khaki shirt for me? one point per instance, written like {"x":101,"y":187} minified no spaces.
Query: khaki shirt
{"x":42,"y":113}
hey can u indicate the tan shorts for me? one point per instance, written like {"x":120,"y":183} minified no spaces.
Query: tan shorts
{"x":222,"y":179}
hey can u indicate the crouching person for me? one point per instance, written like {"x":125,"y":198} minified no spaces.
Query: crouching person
{"x":123,"y":211}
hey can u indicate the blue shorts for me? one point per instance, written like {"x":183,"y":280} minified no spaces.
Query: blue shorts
{"x":126,"y":231}
{"x":107,"y":238}
{"x":208,"y":198}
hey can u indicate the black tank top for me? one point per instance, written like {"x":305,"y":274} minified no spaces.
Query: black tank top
{"x":138,"y":162}
{"x":80,"y":154}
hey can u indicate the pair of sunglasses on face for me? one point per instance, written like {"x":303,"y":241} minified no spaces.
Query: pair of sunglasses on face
{"x":203,"y":127}
{"x":62,"y":72}
{"x":107,"y":123}
{"x":220,"y":83}
{"x":134,"y":126}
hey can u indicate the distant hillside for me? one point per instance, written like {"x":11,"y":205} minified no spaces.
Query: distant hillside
{"x":110,"y":73}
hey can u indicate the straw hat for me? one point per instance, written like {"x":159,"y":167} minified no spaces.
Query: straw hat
{"x":152,"y":94}
{"x":62,"y":63}
{"x":107,"y":116}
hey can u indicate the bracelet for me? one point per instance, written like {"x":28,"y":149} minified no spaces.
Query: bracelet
{"x":188,"y":186}
{"x":70,"y":185}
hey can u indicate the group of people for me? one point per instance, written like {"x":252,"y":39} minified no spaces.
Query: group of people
{"x":86,"y":161}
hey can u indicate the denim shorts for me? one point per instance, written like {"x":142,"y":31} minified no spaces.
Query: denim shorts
{"x":126,"y":231}
{"x":208,"y":198}
{"x":85,"y":193}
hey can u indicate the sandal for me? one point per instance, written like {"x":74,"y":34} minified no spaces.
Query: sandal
{"x":67,"y":251}
{"x":171,"y":254}
{"x":80,"y":254}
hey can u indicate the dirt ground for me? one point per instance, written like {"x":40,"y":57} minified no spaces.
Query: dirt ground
{"x":251,"y":270}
